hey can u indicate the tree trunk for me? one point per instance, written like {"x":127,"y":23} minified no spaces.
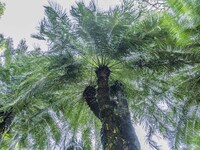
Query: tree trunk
{"x":117,"y":132}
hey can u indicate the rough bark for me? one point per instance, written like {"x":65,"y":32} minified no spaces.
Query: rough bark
{"x":89,"y":95}
{"x":123,"y":117}
{"x":117,"y":131}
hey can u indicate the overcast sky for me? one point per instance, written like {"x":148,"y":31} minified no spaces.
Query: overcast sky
{"x":21,"y":19}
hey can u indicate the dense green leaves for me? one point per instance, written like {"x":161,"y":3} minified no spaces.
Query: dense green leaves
{"x":182,"y":20}
{"x":155,"y":57}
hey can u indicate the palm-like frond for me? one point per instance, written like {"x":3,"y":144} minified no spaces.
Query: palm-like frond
{"x":183,"y":22}
{"x":48,"y":87}
{"x":40,"y":91}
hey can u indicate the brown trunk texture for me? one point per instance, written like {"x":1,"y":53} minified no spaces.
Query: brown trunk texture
{"x":117,"y":132}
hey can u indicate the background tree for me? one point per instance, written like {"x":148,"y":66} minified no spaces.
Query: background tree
{"x":5,"y":115}
{"x":182,"y":20}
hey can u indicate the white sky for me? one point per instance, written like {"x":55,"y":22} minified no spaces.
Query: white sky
{"x":21,"y":19}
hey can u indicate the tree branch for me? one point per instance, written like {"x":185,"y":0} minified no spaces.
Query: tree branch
{"x":89,"y":95}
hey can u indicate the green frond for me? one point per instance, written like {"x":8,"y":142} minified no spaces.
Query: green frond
{"x":183,"y":21}
{"x":154,"y":57}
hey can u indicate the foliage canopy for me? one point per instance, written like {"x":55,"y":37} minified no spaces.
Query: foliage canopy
{"x":152,"y":55}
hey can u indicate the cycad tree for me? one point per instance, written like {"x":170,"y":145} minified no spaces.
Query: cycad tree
{"x":101,"y":70}
{"x":86,"y":48}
